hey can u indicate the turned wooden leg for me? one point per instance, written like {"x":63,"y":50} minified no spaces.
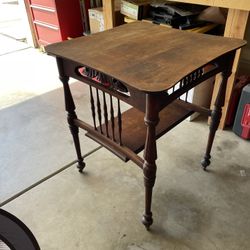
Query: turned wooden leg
{"x":215,"y":118}
{"x":149,"y":171}
{"x":75,"y":131}
{"x":150,"y":155}
{"x":70,"y":108}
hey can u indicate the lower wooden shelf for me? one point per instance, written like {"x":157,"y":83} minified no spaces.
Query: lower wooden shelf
{"x":134,"y":129}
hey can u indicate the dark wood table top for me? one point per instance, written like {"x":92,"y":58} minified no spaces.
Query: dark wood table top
{"x":145,"y":56}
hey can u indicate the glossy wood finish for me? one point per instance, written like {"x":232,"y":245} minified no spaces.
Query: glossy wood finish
{"x":152,"y":79}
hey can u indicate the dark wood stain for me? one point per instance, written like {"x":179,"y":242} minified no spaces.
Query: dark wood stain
{"x":146,"y":60}
{"x":139,"y":53}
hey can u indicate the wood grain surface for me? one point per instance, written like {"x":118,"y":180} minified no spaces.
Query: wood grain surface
{"x":145,"y":56}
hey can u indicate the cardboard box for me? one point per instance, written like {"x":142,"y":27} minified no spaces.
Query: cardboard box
{"x":96,"y":19}
{"x":135,"y":9}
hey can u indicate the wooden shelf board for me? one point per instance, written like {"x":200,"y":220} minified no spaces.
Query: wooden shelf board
{"x":231,"y":4}
{"x":134,"y":129}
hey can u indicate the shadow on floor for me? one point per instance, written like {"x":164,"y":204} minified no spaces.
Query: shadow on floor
{"x":35,"y":139}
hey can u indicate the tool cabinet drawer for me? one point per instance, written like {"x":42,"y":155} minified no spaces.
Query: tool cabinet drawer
{"x":46,"y":15}
{"x":45,"y":3}
{"x":47,"y":33}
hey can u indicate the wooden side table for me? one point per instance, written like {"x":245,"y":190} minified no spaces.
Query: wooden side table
{"x":236,"y":25}
{"x":152,"y":69}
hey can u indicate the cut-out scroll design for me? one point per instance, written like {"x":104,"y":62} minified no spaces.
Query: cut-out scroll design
{"x":103,"y":79}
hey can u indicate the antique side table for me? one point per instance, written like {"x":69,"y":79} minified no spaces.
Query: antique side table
{"x":151,"y":68}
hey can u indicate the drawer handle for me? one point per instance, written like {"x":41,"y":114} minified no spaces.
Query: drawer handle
{"x":46,"y":25}
{"x":42,"y":8}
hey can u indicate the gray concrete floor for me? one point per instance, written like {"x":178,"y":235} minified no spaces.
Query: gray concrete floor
{"x":102,"y":208}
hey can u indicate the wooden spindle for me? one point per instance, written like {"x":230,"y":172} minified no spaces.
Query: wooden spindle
{"x":112,"y":118}
{"x":181,"y":83}
{"x":195,"y":75}
{"x":119,"y":122}
{"x":189,"y":79}
{"x":99,"y":110}
{"x":92,"y":102}
{"x":186,"y":96}
{"x":105,"y":114}
{"x":180,"y":86}
{"x":200,"y":71}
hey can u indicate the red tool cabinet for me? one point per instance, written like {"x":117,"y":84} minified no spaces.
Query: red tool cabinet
{"x":56,"y":20}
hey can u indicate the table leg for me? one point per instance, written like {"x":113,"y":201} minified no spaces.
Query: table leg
{"x":235,"y":28}
{"x":215,"y":117}
{"x":150,"y":156}
{"x":70,"y":108}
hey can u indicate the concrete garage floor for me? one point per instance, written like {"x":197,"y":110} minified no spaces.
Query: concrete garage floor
{"x":34,"y":132}
{"x":102,"y":208}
